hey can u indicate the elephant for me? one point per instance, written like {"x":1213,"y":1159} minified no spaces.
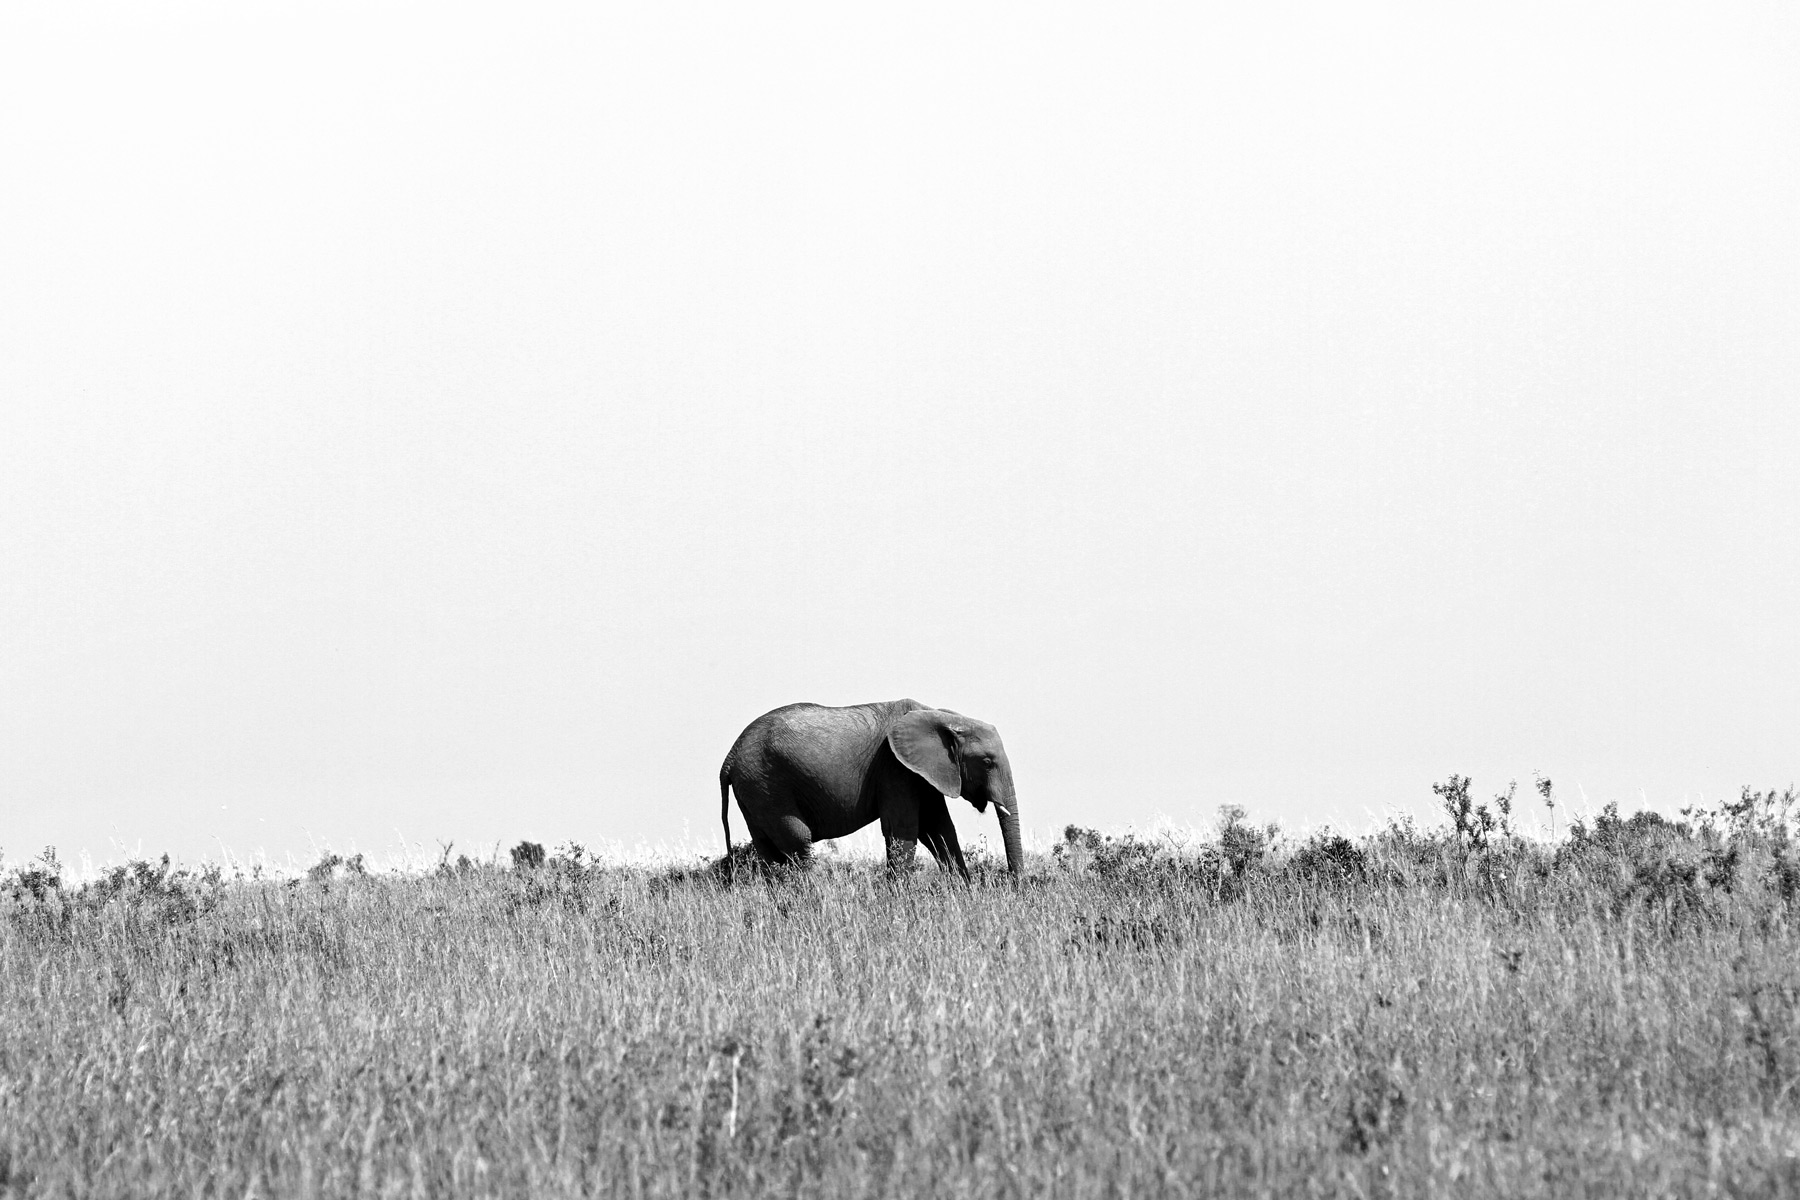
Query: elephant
{"x":805,"y":771}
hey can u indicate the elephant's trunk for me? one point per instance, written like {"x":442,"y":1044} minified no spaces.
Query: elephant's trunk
{"x":1009,"y":831}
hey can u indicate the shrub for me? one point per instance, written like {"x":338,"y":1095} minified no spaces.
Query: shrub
{"x":326,"y":869}
{"x":450,"y":870}
{"x":1243,"y":846}
{"x":1639,"y":833}
{"x":1762,"y":816}
{"x":39,"y":880}
{"x":155,"y":894}
{"x":1476,"y":825}
{"x":1329,"y":857}
{"x":1127,"y":858}
{"x":1102,"y":855}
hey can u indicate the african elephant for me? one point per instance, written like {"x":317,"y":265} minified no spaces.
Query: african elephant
{"x":806,"y":772}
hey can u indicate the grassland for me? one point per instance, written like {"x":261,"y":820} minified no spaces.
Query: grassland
{"x":1403,"y":1016}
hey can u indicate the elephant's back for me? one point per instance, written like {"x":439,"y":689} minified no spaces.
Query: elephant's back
{"x":816,"y":738}
{"x":776,"y":726}
{"x":822,"y":720}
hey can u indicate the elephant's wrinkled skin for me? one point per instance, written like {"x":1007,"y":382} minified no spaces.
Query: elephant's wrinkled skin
{"x":806,"y":772}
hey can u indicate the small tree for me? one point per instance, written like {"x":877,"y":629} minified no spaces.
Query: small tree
{"x":1475,"y":823}
{"x":1241,"y":844}
{"x":1504,"y":802}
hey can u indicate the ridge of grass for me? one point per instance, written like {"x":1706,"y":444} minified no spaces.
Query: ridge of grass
{"x":1402,"y":1014}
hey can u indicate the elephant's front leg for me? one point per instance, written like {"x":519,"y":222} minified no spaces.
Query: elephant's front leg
{"x":900,"y":826}
{"x":901,"y":853}
{"x":938,"y":832}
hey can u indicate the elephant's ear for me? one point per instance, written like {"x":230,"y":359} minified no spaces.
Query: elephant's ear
{"x":926,"y":743}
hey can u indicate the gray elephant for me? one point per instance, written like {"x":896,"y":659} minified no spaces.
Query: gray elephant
{"x":806,"y":772}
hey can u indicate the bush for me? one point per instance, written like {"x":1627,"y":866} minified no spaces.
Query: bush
{"x":1243,"y":846}
{"x":1127,"y":858}
{"x":153,"y":895}
{"x":329,"y":865}
{"x":1328,"y":857}
{"x":38,"y":880}
{"x":451,"y":870}
{"x":1759,"y":816}
{"x":1476,"y":825}
{"x":1099,"y":854}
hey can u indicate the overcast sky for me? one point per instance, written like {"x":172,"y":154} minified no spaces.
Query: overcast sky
{"x":422,"y":424}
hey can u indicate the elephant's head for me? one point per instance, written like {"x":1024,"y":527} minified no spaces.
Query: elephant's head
{"x":960,"y":756}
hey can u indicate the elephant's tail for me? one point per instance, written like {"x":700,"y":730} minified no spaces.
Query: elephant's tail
{"x":725,"y":805}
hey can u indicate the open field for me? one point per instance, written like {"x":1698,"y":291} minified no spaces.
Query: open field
{"x":1407,"y":1015}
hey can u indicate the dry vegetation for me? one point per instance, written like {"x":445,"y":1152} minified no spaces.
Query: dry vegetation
{"x":1456,"y":1014}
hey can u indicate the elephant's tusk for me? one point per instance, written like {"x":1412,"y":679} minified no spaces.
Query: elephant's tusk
{"x":1002,"y":809}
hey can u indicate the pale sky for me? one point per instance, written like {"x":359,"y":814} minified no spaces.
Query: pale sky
{"x":421,"y":423}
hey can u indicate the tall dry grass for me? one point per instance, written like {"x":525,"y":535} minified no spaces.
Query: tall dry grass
{"x":1392,"y":1018}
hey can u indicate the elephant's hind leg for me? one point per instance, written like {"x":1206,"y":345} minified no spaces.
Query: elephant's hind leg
{"x":787,"y":841}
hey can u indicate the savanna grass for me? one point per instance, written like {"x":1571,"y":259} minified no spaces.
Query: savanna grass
{"x":1402,"y":1017}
